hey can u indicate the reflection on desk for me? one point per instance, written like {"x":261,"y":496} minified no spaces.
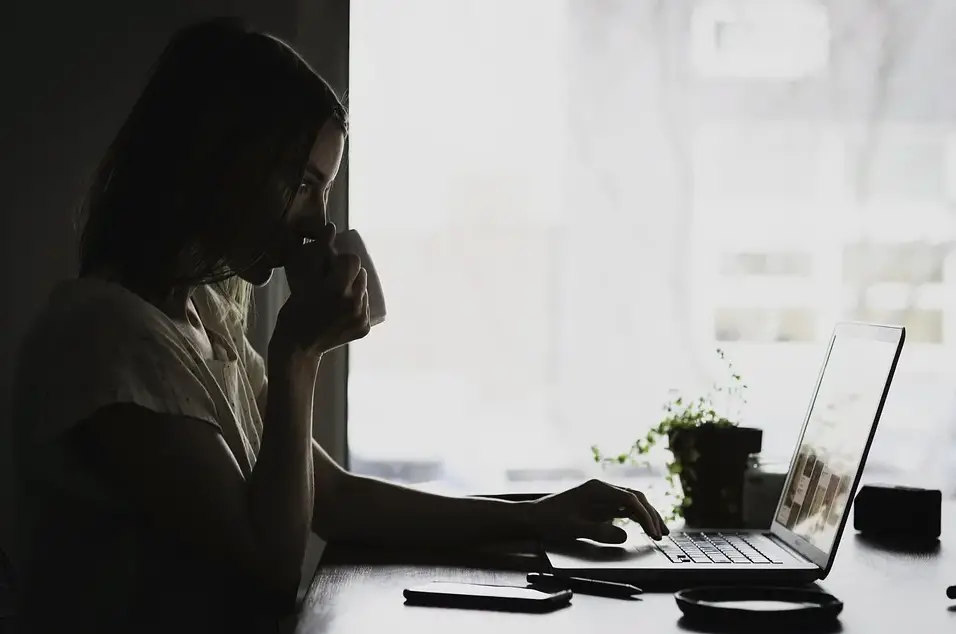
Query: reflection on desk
{"x":884,"y":589}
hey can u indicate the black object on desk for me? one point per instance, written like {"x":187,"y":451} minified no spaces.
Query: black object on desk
{"x":889,"y":511}
{"x":951,"y":592}
{"x":584,"y":586}
{"x":481,"y":596}
{"x":766,"y":607}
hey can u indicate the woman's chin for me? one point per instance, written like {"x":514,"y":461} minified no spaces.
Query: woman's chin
{"x":258,"y":275}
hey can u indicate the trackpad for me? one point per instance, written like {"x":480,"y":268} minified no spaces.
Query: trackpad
{"x":586,"y":553}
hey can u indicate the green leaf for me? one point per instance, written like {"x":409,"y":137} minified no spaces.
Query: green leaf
{"x":682,"y":413}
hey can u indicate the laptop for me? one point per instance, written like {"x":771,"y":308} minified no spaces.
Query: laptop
{"x":814,"y":504}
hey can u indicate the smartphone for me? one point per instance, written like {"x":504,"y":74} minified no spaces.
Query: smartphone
{"x":474,"y":596}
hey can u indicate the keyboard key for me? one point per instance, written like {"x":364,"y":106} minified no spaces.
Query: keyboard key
{"x":710,"y":547}
{"x":773,"y":559}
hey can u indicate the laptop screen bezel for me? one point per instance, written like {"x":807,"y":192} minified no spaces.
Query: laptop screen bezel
{"x":876,"y":332}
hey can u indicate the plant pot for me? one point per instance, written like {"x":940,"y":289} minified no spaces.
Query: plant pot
{"x":713,"y":460}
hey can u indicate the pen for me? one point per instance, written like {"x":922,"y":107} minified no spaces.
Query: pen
{"x":584,"y":586}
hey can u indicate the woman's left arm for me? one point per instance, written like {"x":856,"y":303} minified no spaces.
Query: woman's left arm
{"x":358,"y":508}
{"x":354,"y":508}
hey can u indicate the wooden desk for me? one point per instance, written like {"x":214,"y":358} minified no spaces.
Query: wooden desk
{"x":360,"y":591}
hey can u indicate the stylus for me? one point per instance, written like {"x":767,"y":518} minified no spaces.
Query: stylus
{"x":951,"y":592}
{"x":583,"y":586}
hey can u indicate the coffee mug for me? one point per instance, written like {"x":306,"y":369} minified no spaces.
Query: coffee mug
{"x":351,"y":242}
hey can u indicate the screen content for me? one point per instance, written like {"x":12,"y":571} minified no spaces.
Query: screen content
{"x":818,"y":485}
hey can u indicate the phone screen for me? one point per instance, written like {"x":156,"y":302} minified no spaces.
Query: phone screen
{"x":479,"y":590}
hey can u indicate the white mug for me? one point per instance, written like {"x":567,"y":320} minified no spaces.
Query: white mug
{"x":351,"y":242}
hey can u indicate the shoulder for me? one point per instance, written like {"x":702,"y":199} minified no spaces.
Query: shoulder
{"x":95,"y":344}
{"x":89,"y":315}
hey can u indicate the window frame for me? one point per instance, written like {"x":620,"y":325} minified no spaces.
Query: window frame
{"x":321,"y":36}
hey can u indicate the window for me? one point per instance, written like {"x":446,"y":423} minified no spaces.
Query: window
{"x":902,"y":283}
{"x":765,"y":325}
{"x":567,"y":223}
{"x":754,"y":160}
{"x":903,"y":263}
{"x":760,"y":39}
{"x":906,"y":163}
{"x":776,"y":264}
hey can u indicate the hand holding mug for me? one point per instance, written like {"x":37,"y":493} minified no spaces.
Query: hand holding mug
{"x":329,"y":304}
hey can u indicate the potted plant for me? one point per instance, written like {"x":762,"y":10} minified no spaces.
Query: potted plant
{"x":709,"y":454}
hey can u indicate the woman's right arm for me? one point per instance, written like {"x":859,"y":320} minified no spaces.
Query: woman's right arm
{"x":181,"y":473}
{"x":182,"y":476}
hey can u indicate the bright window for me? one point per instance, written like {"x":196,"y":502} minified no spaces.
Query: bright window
{"x":569,"y":216}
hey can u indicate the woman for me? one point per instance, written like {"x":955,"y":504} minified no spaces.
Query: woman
{"x":170,"y":481}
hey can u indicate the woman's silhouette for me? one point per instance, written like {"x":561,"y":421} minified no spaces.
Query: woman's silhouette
{"x":168,"y":477}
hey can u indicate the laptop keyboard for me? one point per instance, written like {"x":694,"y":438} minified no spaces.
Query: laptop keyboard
{"x":712,"y":548}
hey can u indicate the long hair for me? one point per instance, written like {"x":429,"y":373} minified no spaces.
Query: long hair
{"x":195,"y":185}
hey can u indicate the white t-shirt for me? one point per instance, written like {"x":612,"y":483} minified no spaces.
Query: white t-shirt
{"x":90,"y":561}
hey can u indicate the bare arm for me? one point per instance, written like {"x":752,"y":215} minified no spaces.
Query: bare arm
{"x":257,"y":528}
{"x":356,"y":508}
{"x":362,"y":509}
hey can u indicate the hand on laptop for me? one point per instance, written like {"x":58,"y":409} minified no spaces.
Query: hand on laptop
{"x":588,"y":511}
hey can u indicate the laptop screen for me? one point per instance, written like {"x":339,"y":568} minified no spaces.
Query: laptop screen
{"x":835,"y":437}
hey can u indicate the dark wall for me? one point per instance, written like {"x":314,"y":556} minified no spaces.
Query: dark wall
{"x":70,"y":73}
